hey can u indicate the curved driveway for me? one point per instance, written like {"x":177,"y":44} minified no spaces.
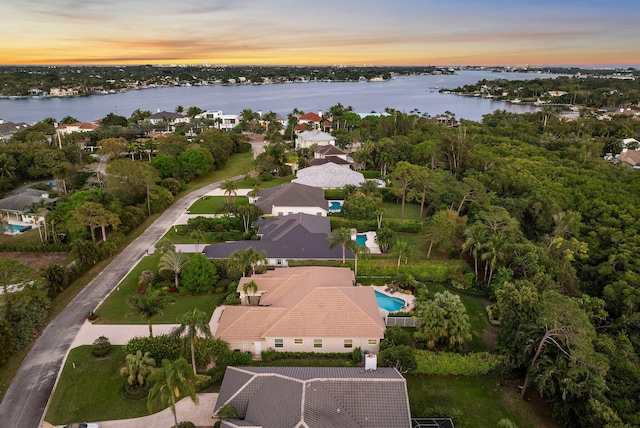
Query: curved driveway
{"x":26,"y":399}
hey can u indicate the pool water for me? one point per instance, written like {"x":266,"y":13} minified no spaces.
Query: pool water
{"x":335,"y":206}
{"x":389,"y":304}
{"x":14,"y":228}
{"x":361,"y":239}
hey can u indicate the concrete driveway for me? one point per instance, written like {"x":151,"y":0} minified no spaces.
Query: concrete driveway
{"x":26,"y":399}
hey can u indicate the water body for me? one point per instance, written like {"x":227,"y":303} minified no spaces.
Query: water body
{"x":405,"y":93}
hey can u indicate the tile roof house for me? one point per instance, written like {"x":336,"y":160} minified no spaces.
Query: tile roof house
{"x":330,"y":154}
{"x":289,"y":237}
{"x":328,"y":176}
{"x":292,"y":198}
{"x":306,"y":309}
{"x":316,"y":137}
{"x":17,"y":207}
{"x":169,"y":117}
{"x":315,"y":397}
{"x":76,"y":127}
{"x":7,"y":129}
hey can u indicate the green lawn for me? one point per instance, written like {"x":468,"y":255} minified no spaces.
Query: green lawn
{"x":214,"y":204}
{"x":394,"y":210}
{"x":90,"y":391}
{"x":477,"y":318}
{"x":477,"y":402}
{"x":114,"y":310}
{"x":248,"y":183}
{"x":179,"y":235}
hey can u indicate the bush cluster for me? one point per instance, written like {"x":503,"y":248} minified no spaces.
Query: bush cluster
{"x":397,"y":225}
{"x":160,"y":347}
{"x":101,"y":347}
{"x":453,"y":364}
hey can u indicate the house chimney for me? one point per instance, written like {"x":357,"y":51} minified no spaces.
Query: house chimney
{"x":320,"y":113}
{"x":370,"y":362}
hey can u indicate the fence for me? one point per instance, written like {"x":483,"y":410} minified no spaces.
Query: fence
{"x":402,"y":321}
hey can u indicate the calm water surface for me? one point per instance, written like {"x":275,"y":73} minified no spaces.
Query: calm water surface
{"x":404,"y":93}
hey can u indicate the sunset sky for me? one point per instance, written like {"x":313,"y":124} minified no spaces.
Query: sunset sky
{"x":349,"y":32}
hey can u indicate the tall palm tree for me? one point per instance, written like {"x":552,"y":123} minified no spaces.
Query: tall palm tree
{"x":401,"y":248}
{"x":148,"y":305}
{"x":199,"y":237}
{"x":493,"y":255}
{"x":137,"y":367}
{"x":250,"y":289}
{"x":474,"y":243}
{"x":192,"y":323}
{"x":168,"y":382}
{"x":357,"y":250}
{"x":175,"y":262}
{"x":230,"y":190}
{"x":342,"y":237}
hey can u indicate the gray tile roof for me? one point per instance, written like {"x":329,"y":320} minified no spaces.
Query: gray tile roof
{"x":329,"y":150}
{"x":165,"y":115}
{"x":295,"y":236}
{"x":329,"y":159}
{"x":22,"y":201}
{"x":324,"y":397}
{"x":291,"y":195}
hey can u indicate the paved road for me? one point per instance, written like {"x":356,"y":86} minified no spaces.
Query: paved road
{"x":26,"y":399}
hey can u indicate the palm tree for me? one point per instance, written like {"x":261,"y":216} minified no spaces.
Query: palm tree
{"x":230,"y":188}
{"x":164,"y":246}
{"x":252,"y":287}
{"x":168,"y":382}
{"x":192,"y":323}
{"x":493,"y":255}
{"x":198,"y":236}
{"x":137,"y":367}
{"x":227,"y":412}
{"x":248,"y":259}
{"x":148,"y":305}
{"x":342,"y":237}
{"x":474,"y":243}
{"x":401,"y":248}
{"x":175,"y":262}
{"x":357,"y":250}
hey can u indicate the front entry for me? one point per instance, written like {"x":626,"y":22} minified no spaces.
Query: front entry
{"x":257,"y":348}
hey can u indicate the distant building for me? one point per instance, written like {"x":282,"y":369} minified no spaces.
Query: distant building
{"x":7,"y":129}
{"x":316,"y":137}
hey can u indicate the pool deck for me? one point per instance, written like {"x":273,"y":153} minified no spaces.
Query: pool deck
{"x":409,"y":300}
{"x":371,"y":243}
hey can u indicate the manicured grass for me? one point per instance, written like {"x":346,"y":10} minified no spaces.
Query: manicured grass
{"x":178,"y":235}
{"x":471,"y":401}
{"x":238,"y":164}
{"x":248,"y":183}
{"x":115,"y":309}
{"x":394,"y":210}
{"x":90,"y":391}
{"x":214,"y":204}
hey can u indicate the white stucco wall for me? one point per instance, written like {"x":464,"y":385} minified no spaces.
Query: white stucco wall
{"x":283,"y":210}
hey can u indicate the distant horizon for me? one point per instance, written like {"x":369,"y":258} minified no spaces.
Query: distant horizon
{"x":205,"y":64}
{"x":288,"y":32}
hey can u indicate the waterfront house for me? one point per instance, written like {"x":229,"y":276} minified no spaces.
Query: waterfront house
{"x":168,"y":119}
{"x":7,"y":129}
{"x":304,"y":309}
{"x":315,"y":397}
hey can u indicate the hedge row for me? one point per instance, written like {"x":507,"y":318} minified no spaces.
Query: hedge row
{"x":434,"y":271}
{"x":452,"y":364}
{"x":276,"y":355}
{"x":397,"y":225}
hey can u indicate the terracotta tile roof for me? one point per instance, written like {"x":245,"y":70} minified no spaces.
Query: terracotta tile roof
{"x":304,"y":301}
{"x":632,"y":157}
{"x":310,"y":117}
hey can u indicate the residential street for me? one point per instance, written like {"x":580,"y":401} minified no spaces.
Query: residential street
{"x":26,"y":399}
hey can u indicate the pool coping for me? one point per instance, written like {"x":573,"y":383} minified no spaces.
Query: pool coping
{"x":409,"y":299}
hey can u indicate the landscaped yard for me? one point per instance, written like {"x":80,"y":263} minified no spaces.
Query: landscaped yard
{"x":214,"y":204}
{"x":115,"y":309}
{"x":479,"y":402}
{"x":249,"y":183}
{"x":90,"y":390}
{"x":394,"y":210}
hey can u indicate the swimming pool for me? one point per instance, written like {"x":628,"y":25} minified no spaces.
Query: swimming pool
{"x":389,"y":304}
{"x":361,"y":238}
{"x":335,"y":206}
{"x":14,"y":228}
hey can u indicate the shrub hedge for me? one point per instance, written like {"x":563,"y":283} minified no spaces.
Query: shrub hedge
{"x":268,"y":356}
{"x":160,"y":347}
{"x":452,"y":364}
{"x":397,"y":225}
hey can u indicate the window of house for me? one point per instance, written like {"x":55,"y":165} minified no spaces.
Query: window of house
{"x":279,"y":343}
{"x":317,"y":343}
{"x":348,"y":343}
{"x":297,"y":341}
{"x":373,"y":341}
